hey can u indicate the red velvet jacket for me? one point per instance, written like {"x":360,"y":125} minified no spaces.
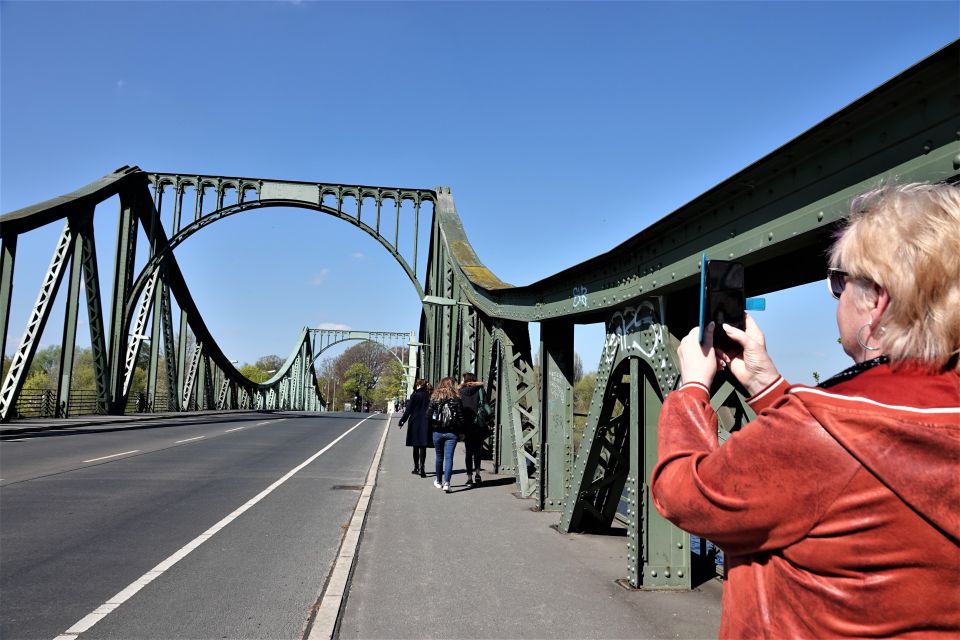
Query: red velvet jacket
{"x":838,"y":509}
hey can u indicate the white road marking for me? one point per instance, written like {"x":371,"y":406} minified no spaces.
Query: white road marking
{"x":103,"y":610}
{"x":190,"y":439}
{"x":112,"y":456}
{"x":234,"y":429}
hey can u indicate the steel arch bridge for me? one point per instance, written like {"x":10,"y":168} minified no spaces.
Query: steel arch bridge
{"x":777,"y":216}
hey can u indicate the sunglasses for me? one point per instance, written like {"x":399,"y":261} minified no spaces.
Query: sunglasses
{"x":836,"y":281}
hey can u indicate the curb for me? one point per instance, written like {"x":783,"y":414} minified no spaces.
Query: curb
{"x":329,"y":607}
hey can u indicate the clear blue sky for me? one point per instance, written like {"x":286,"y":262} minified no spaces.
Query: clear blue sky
{"x":562,"y":129}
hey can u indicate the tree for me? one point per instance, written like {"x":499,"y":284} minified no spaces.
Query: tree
{"x":392,"y":384}
{"x":267,"y":363}
{"x":373,"y":355}
{"x":253,"y":373}
{"x":582,"y":395}
{"x":358,"y":381}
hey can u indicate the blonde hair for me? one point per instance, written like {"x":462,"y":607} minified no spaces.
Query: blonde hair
{"x":445,"y":390}
{"x":906,"y":239}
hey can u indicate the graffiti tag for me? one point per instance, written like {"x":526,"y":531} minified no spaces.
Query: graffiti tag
{"x":579,"y":297}
{"x":623,"y":327}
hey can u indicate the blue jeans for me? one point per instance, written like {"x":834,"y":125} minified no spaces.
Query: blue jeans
{"x":444,"y":443}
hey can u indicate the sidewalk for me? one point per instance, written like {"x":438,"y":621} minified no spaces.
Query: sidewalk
{"x":478,"y":563}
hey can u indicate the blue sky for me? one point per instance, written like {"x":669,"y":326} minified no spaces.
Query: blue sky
{"x":562,"y":129}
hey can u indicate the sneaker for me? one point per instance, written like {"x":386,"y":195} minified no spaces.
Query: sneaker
{"x":476,"y":479}
{"x":436,"y":483}
{"x":469,"y":482}
{"x":446,"y":487}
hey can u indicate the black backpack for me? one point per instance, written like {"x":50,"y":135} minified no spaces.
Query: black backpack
{"x":442,"y":418}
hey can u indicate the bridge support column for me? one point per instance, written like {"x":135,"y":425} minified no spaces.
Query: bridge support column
{"x":69,"y":342}
{"x":556,"y":420}
{"x":8,"y":254}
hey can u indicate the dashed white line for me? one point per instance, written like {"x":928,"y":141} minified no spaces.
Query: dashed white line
{"x":190,"y":439}
{"x":112,"y":456}
{"x":234,"y":429}
{"x":103,"y":610}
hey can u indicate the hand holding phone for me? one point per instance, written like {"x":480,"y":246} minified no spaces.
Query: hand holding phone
{"x":722,"y":300}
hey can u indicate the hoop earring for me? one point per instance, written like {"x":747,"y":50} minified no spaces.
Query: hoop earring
{"x":860,"y":340}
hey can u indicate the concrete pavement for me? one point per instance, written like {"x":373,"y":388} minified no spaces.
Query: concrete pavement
{"x":478,"y":563}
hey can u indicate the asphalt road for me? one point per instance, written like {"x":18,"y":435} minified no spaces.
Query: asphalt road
{"x":87,"y":512}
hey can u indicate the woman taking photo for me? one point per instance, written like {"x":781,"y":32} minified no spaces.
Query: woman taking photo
{"x":447,"y":418}
{"x":838,"y":508}
{"x":417,"y":412}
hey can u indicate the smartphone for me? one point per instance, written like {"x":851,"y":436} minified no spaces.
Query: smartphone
{"x":721,"y":300}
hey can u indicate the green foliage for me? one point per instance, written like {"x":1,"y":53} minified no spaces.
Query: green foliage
{"x":392,"y":384}
{"x":254,"y":373}
{"x":358,"y":380}
{"x":582,"y":394}
{"x":268,"y":363}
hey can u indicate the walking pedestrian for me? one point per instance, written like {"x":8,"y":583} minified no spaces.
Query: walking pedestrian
{"x":446,"y":413}
{"x":471,"y":396}
{"x":417,"y":413}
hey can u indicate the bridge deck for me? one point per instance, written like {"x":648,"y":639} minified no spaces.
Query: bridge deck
{"x":478,"y":563}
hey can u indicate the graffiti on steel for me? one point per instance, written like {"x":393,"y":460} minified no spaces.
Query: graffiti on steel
{"x":623,"y":327}
{"x":579,"y":297}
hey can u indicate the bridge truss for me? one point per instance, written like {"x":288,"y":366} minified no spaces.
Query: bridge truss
{"x":777,"y":216}
{"x":389,"y":339}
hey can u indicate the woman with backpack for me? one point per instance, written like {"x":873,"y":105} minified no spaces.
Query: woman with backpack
{"x":417,"y":412}
{"x":446,"y":418}
{"x":471,"y":396}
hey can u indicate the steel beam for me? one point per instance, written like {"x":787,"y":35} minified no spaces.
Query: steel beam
{"x":556,"y":420}
{"x":69,"y":341}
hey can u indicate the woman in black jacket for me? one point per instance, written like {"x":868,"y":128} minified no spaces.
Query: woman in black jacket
{"x":417,"y":412}
{"x":471,"y":396}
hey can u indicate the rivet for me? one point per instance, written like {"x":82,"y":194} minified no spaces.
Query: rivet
{"x":666,"y":574}
{"x":680,"y":573}
{"x":820,"y":216}
{"x":653,"y":573}
{"x":679,"y":545}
